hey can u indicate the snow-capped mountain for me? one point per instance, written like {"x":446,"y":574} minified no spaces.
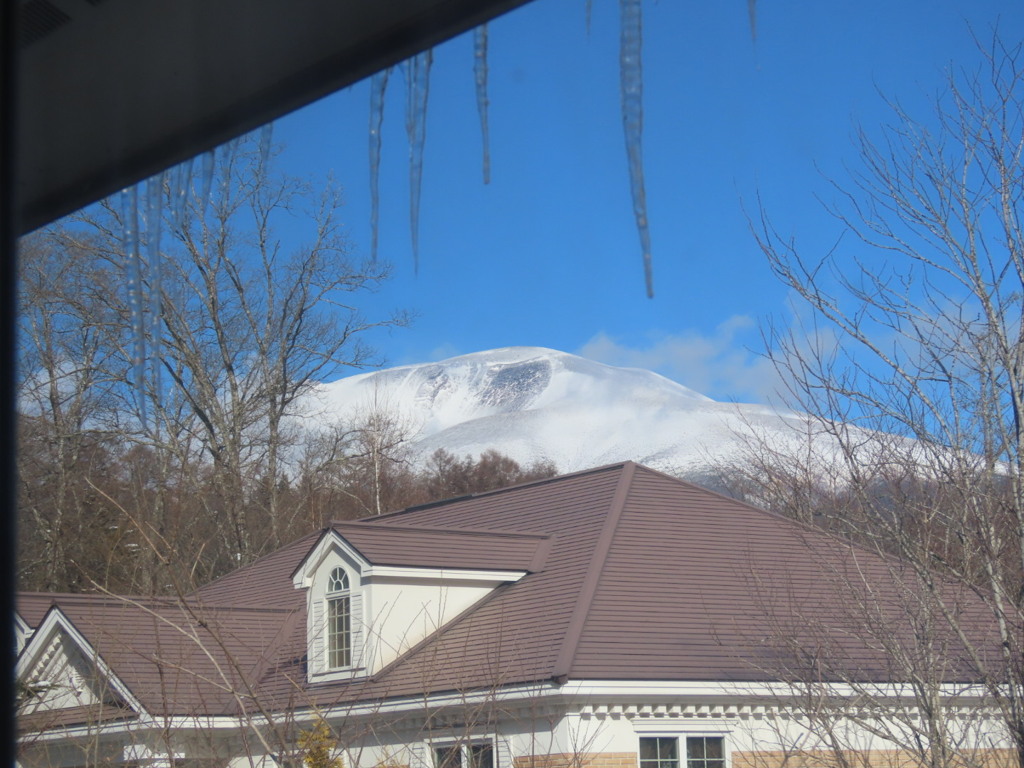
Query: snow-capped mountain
{"x":534,"y":403}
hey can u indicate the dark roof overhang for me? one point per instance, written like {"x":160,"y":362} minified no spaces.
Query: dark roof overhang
{"x":112,"y":91}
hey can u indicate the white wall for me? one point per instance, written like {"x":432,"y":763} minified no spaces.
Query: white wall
{"x":401,"y":612}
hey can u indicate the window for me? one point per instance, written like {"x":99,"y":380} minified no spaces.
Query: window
{"x":659,"y":752}
{"x":701,"y":752}
{"x":705,"y":752}
{"x":339,"y":620}
{"x":464,"y":756}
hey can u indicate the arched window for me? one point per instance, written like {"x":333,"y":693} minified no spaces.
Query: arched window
{"x":339,"y":620}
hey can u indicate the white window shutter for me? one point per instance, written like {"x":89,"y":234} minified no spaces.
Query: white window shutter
{"x":316,"y":641}
{"x":358,"y":630}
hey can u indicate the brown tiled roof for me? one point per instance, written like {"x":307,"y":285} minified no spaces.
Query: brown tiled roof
{"x":178,"y":657}
{"x":69,"y":716}
{"x":267,"y":583}
{"x":647,"y":578}
{"x":652,"y":578}
{"x":33,"y":606}
{"x":384,"y":544}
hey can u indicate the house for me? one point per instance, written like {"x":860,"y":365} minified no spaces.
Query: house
{"x":613,"y":618}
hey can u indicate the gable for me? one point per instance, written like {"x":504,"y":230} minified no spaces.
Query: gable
{"x":162,"y":656}
{"x":62,"y":681}
{"x":22,"y":633}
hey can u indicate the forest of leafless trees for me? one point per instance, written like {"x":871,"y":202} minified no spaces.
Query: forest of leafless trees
{"x":909,"y":356}
{"x":138,"y":470}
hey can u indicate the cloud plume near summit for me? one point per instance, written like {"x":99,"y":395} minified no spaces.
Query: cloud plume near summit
{"x":717,"y":363}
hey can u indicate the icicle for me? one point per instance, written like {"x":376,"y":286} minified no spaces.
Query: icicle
{"x":130,"y":240}
{"x":417,"y":87}
{"x":480,"y":75}
{"x":590,"y":12}
{"x":154,"y":268}
{"x":378,"y":89}
{"x":154,"y":206}
{"x":228,"y":154}
{"x":632,"y":91}
{"x":266,"y":137}
{"x":180,"y":181}
{"x":209,"y":166}
{"x":752,"y":14}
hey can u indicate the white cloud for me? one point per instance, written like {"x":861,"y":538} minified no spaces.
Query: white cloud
{"x":719,"y":365}
{"x":443,"y":352}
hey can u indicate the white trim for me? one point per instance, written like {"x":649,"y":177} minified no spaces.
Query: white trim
{"x":329,"y":542}
{"x":333,"y":540}
{"x":22,"y":633}
{"x":415,"y":573}
{"x":682,"y":728}
{"x":648,"y":690}
{"x":416,"y":705}
{"x":648,"y":718}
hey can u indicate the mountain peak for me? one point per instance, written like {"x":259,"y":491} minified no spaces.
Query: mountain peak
{"x":538,"y":403}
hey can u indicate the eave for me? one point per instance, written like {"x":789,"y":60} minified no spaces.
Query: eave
{"x":110,"y":92}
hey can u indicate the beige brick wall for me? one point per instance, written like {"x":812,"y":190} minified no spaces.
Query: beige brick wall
{"x":577,"y":760}
{"x":990,"y":758}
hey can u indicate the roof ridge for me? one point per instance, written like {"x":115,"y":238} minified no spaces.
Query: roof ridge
{"x":801,"y":525}
{"x":92,"y":596}
{"x":213,"y":605}
{"x":567,"y":653}
{"x":441,"y":529}
{"x":505,"y":489}
{"x":258,"y":562}
{"x":272,"y":657}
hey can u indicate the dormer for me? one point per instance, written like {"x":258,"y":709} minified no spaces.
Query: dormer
{"x":374,"y":591}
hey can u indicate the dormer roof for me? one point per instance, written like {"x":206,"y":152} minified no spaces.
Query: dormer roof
{"x":441,"y":549}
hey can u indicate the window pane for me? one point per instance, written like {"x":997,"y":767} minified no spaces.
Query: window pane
{"x":481,"y":756}
{"x":338,"y":580}
{"x":668,"y":749}
{"x":713,"y":749}
{"x":448,"y":757}
{"x":705,"y":752}
{"x":648,"y":750}
{"x":695,"y":748}
{"x":339,"y":633}
{"x":659,"y":752}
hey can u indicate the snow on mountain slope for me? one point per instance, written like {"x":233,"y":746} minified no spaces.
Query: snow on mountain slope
{"x":535,"y":403}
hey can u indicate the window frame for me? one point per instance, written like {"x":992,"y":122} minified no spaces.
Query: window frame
{"x":466,"y":748}
{"x":339,"y":640}
{"x":682,"y":749}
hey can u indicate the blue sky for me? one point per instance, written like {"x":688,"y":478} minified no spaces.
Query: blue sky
{"x":548,"y":253}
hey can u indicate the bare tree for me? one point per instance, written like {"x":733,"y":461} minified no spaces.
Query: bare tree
{"x":446,"y":475}
{"x":913,"y":363}
{"x":240,"y":324}
{"x":360,"y":467}
{"x":65,"y":444}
